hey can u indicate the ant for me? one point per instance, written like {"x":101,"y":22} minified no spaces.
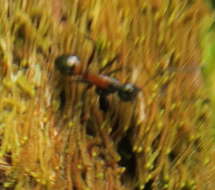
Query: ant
{"x":105,"y":85}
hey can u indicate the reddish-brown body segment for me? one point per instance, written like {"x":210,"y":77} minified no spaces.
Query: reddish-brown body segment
{"x":100,"y":81}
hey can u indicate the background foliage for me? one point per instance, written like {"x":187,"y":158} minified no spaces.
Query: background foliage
{"x":52,"y":133}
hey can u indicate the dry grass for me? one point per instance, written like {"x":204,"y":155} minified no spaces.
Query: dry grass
{"x":160,"y":141}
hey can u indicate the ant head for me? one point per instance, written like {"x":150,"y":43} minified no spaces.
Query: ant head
{"x":66,"y":63}
{"x":128,"y":92}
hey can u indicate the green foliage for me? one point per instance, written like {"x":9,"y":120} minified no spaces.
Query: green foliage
{"x":208,"y":59}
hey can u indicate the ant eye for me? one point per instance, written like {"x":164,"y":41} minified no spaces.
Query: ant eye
{"x":73,"y":60}
{"x":65,"y":63}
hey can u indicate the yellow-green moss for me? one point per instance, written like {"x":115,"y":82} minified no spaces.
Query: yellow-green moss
{"x":53,"y":137}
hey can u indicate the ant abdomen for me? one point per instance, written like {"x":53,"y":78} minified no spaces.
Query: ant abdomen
{"x":128,"y":92}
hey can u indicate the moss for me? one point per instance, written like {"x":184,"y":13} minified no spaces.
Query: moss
{"x":53,"y":134}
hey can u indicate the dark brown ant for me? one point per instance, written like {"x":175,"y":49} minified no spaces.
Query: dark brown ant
{"x":105,"y":85}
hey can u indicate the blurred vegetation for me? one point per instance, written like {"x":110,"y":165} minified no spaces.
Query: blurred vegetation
{"x":52,"y":133}
{"x":208,"y":57}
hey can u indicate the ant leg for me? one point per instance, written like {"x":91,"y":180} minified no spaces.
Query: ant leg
{"x":84,"y":116}
{"x":103,"y":103}
{"x":114,"y":71}
{"x":92,"y":55}
{"x":109,"y":64}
